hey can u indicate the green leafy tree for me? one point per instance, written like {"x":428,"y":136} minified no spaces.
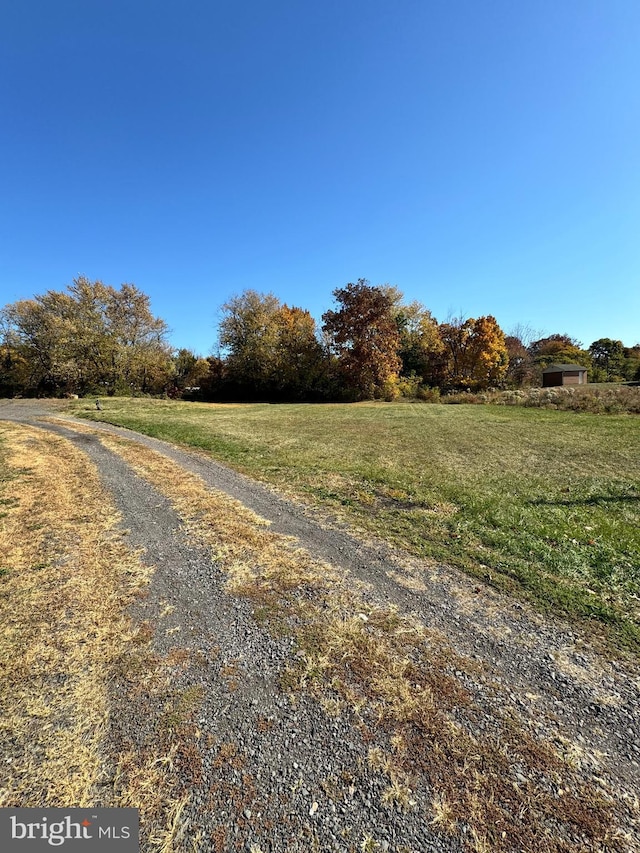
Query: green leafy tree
{"x":15,"y":370}
{"x":248,"y":337}
{"x":631,"y":369}
{"x":271,"y":349}
{"x":299,"y":364}
{"x":91,"y":338}
{"x":608,"y":359}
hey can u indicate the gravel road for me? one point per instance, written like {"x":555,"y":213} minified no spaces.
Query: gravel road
{"x":265,"y":783}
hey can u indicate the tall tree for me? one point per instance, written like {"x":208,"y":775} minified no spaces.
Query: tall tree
{"x":608,"y":358}
{"x":476,"y":350}
{"x":248,"y":336}
{"x":421,"y":348}
{"x":299,"y":362}
{"x":91,"y":338}
{"x":42,"y":335}
{"x":519,"y":369}
{"x":364,"y":336}
{"x":272,"y":349}
{"x":139,"y":354}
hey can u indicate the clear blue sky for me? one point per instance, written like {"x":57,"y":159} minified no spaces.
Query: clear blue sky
{"x":482,"y":155}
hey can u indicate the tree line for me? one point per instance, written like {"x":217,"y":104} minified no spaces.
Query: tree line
{"x":97,"y":339}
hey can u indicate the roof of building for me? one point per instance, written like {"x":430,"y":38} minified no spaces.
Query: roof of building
{"x":554,"y":368}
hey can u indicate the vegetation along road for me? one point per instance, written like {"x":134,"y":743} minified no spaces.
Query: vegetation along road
{"x":334,"y":628}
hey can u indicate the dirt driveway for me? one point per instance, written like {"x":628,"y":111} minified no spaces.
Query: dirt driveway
{"x":361,"y":700}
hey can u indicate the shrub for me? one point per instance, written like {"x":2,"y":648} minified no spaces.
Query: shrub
{"x":597,"y":399}
{"x":429,"y":395}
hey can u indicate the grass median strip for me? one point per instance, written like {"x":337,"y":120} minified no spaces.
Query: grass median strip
{"x":66,"y":579}
{"x":496,"y":785}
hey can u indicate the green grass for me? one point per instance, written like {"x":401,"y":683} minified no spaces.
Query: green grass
{"x":542,"y":503}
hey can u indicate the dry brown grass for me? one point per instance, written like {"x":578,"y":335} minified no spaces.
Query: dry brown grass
{"x":67,"y":578}
{"x":67,"y":581}
{"x":491,"y":780}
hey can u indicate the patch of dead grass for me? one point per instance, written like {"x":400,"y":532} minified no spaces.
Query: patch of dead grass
{"x":586,"y":671}
{"x":67,"y":578}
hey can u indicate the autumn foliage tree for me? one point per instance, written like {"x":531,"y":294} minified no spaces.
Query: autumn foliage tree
{"x":476,"y":352}
{"x":92,"y":338}
{"x":272,"y":350}
{"x":421,"y":348}
{"x":364,"y":337}
{"x":300,"y":363}
{"x":247,"y":335}
{"x":559,"y":349}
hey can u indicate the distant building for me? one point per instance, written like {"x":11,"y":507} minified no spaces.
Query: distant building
{"x":564,"y":374}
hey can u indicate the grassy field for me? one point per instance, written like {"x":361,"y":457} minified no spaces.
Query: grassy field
{"x":401,"y":681}
{"x":542,"y":503}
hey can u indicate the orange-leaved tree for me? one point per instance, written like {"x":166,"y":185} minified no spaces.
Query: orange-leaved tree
{"x":300,"y":360}
{"x":421,"y":348}
{"x":476,"y":350}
